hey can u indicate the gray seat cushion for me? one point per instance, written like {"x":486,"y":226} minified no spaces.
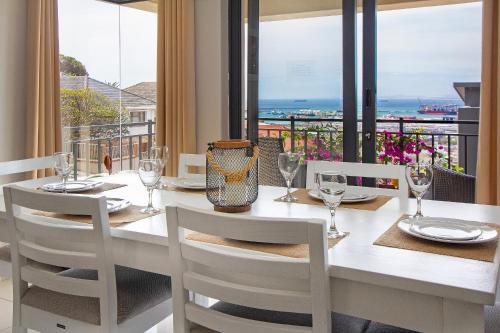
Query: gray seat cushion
{"x":340,"y":323}
{"x":137,"y":291}
{"x":375,"y":327}
{"x":492,"y":319}
{"x":4,"y":252}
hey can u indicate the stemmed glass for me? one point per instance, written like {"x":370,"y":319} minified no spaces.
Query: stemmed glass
{"x":332,"y":186}
{"x":150,"y":173}
{"x":63,"y":164}
{"x":419,"y":178}
{"x":289,"y":165}
{"x":161,"y":154}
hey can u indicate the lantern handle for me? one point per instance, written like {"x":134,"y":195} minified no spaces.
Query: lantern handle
{"x":237,"y":176}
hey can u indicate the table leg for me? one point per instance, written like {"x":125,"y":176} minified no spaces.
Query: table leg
{"x":461,"y":317}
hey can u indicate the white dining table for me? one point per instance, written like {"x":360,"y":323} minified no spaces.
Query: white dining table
{"x":415,"y":290}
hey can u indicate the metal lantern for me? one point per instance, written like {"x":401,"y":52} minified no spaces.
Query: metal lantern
{"x":232,"y":175}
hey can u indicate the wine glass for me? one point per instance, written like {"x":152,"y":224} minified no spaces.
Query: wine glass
{"x":150,"y":173}
{"x":332,"y":186}
{"x":316,"y":181}
{"x":161,"y":154}
{"x":419,"y":178}
{"x":289,"y":165}
{"x":63,"y":164}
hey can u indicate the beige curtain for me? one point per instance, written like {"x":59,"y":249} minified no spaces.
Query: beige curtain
{"x":175,"y":115}
{"x":488,"y":163}
{"x":43,"y":136}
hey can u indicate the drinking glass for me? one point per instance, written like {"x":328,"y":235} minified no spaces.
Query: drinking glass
{"x":332,"y":186}
{"x":289,"y":165}
{"x":419,"y":178}
{"x":316,"y":181}
{"x":63,"y":164}
{"x":161,"y":154}
{"x":150,"y":173}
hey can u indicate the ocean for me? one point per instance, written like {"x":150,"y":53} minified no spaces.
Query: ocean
{"x":274,"y":108}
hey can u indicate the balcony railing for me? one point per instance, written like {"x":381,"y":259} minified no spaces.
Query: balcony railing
{"x":137,"y":138}
{"x":304,"y":131}
{"x":125,"y":144}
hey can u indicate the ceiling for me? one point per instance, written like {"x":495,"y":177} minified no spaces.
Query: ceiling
{"x":147,"y":5}
{"x":272,"y":10}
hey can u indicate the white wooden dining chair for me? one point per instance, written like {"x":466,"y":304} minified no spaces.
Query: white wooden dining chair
{"x":257,"y":292}
{"x":93,"y":295}
{"x":362,"y":170}
{"x":30,"y":164}
{"x":9,"y":168}
{"x":190,"y":160}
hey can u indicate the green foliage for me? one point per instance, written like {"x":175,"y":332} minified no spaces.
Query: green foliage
{"x":86,"y":107}
{"x":444,"y":163}
{"x":70,"y":66}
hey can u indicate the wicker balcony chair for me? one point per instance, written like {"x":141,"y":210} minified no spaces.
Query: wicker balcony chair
{"x":269,"y":172}
{"x":449,"y":185}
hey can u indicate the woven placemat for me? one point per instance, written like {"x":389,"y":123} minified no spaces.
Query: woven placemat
{"x":304,"y":198}
{"x":287,"y":250}
{"x":394,"y":237}
{"x":104,"y":187}
{"x":131,"y":214}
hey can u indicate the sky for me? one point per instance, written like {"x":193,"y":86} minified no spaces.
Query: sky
{"x":92,"y":31}
{"x":421,"y":51}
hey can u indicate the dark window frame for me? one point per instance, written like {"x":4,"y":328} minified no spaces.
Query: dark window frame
{"x":350,"y":84}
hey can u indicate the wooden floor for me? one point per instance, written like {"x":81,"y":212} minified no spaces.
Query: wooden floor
{"x":6,"y":312}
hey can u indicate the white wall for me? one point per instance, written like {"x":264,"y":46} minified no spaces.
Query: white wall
{"x":12,"y":79}
{"x":211,"y":72}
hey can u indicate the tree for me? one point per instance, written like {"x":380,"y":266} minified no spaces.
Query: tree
{"x":72,"y":67}
{"x":81,"y":108}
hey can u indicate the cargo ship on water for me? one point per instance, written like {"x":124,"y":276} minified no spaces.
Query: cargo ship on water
{"x":439,"y":110}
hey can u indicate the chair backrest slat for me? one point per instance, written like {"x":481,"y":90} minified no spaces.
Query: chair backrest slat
{"x":239,"y":277}
{"x":56,"y":257}
{"x":31,"y":225}
{"x":250,"y":296}
{"x":55,"y":242}
{"x":52,"y":281}
{"x":225,"y":323}
{"x":243,"y":263}
{"x":362,"y":170}
{"x":190,"y":160}
{"x":55,"y":202}
{"x":31,"y":164}
{"x":251,"y":229}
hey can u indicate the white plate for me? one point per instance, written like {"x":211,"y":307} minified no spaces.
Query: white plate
{"x":446,"y":229}
{"x":191,"y":183}
{"x":348,"y":197}
{"x":117,"y":204}
{"x":487,"y":233}
{"x":353,"y":197}
{"x":71,"y":187}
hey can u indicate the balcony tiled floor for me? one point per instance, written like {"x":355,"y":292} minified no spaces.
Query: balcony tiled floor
{"x":6,"y":312}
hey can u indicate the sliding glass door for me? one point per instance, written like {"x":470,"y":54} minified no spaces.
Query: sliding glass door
{"x":293,"y":70}
{"x":108,"y":83}
{"x":347,"y":80}
{"x":428,"y":78}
